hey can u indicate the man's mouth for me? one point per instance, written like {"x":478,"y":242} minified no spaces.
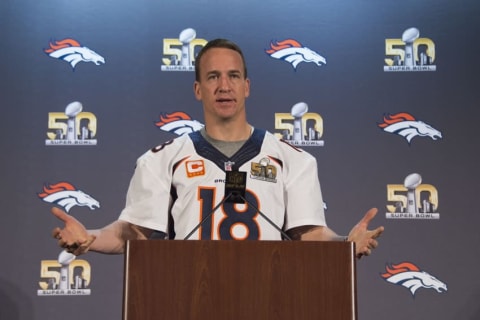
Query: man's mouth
{"x":224,"y":100}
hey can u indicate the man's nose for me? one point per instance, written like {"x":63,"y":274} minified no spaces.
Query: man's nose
{"x":224,"y":84}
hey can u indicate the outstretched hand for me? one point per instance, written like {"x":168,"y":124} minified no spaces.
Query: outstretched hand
{"x":365,"y":240}
{"x":74,"y":236}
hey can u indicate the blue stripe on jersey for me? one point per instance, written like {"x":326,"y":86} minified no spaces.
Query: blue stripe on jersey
{"x":248,"y":151}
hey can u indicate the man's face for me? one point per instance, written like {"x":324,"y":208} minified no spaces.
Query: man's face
{"x":222,"y":87}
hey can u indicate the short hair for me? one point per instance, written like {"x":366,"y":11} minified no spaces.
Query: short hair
{"x":218,"y":43}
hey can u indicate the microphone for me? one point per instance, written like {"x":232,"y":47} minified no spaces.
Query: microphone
{"x":235,"y":184}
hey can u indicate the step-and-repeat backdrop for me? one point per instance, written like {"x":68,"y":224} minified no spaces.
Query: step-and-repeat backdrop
{"x":386,"y":94}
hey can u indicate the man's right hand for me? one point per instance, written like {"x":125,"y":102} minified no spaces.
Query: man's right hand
{"x":74,"y":236}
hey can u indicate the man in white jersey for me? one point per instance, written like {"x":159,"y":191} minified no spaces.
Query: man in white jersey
{"x":177,"y":185}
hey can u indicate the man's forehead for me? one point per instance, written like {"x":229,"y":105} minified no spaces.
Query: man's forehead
{"x":222,"y":59}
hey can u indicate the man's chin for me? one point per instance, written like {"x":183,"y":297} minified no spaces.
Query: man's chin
{"x":226,"y":109}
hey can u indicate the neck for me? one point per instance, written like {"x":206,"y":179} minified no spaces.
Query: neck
{"x":231,"y":132}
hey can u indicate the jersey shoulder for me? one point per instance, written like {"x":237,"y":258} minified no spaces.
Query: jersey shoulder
{"x":274,"y":145}
{"x":170,"y":150}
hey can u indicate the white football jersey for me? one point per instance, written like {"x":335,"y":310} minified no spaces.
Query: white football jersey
{"x":178,"y":184}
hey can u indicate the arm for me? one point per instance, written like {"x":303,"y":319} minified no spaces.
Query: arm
{"x":76,"y":239}
{"x":315,"y":233}
{"x":365,"y":240}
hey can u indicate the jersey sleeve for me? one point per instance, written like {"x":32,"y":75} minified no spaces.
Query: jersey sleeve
{"x":148,"y":196}
{"x":303,"y":196}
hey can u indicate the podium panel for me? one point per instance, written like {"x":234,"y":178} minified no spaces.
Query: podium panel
{"x":244,"y":280}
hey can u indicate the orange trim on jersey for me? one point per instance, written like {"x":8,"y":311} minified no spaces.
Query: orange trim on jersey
{"x":277,"y":161}
{"x":291,"y":145}
{"x":176,"y":165}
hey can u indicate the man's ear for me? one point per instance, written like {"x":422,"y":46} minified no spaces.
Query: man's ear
{"x":196,"y":90}
{"x":247,"y":88}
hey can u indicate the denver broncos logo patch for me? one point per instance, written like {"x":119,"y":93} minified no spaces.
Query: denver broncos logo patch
{"x":72,"y":52}
{"x":408,"y":275}
{"x":178,"y":123}
{"x":66,"y":195}
{"x":405,"y":125}
{"x":294,"y":53}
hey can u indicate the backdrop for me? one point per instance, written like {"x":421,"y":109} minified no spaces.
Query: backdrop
{"x":386,"y":98}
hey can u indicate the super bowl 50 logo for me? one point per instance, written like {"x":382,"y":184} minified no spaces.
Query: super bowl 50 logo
{"x":263,"y":170}
{"x":180,"y":53}
{"x":412,"y":200}
{"x":65,"y":276}
{"x":410,"y":53}
{"x":72,"y":127}
{"x":300,"y":127}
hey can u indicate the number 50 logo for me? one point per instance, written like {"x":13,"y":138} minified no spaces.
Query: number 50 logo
{"x":418,"y":203}
{"x":71,"y":279}
{"x":309,"y":128}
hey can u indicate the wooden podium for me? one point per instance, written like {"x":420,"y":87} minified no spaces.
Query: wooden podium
{"x":244,"y":280}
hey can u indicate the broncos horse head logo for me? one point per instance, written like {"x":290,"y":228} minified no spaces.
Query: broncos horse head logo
{"x":67,"y":196}
{"x":178,"y":122}
{"x":72,"y":52}
{"x":405,"y":125}
{"x":293,"y":52}
{"x":411,"y":277}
